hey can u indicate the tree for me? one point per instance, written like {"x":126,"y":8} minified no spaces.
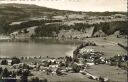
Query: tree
{"x":4,"y":62}
{"x":19,"y":72}
{"x":101,"y":79}
{"x":15,"y":60}
{"x":75,"y":68}
{"x":1,"y":70}
{"x":6,"y":73}
{"x":4,"y":24}
{"x":13,"y":74}
{"x":97,"y":61}
{"x":35,"y":79}
{"x":45,"y":80}
{"x":58,"y":71}
{"x":25,"y":31}
{"x":24,"y":77}
{"x":25,"y":66}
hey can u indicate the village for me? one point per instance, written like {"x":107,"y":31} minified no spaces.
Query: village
{"x":24,"y":69}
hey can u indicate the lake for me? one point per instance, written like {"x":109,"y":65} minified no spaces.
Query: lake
{"x":35,"y":49}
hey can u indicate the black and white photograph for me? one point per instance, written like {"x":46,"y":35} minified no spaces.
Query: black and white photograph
{"x":63,"y":41}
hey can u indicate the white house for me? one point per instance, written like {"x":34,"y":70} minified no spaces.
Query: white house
{"x":9,"y":61}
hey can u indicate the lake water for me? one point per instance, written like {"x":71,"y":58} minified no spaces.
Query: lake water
{"x":35,"y":49}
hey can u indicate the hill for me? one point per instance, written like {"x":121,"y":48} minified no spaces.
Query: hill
{"x":21,"y":17}
{"x":15,"y":11}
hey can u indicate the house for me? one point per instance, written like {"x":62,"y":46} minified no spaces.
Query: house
{"x":53,"y":66}
{"x":90,"y":63}
{"x":59,"y":17}
{"x":99,"y":33}
{"x":9,"y":61}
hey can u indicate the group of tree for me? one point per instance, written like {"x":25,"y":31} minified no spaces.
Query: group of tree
{"x":111,"y":27}
{"x":107,"y":27}
{"x":4,"y":62}
{"x":76,"y":68}
{"x":6,"y":73}
{"x":15,"y":60}
{"x":36,"y":79}
{"x":51,"y":29}
{"x":5,"y":26}
{"x":120,"y":61}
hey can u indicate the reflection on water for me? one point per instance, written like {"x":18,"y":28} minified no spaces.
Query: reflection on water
{"x":35,"y":49}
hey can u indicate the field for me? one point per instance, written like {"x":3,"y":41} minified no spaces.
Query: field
{"x":70,"y":77}
{"x":108,"y":46}
{"x":115,"y":74}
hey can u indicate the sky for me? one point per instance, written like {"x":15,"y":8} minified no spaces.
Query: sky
{"x":77,"y":5}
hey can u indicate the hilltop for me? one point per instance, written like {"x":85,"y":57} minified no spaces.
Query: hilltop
{"x":22,"y":11}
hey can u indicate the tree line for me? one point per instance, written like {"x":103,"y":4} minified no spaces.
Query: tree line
{"x":48,"y":30}
{"x":107,"y":27}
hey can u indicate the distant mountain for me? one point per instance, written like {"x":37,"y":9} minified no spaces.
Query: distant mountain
{"x":23,"y":11}
{"x":15,"y":11}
